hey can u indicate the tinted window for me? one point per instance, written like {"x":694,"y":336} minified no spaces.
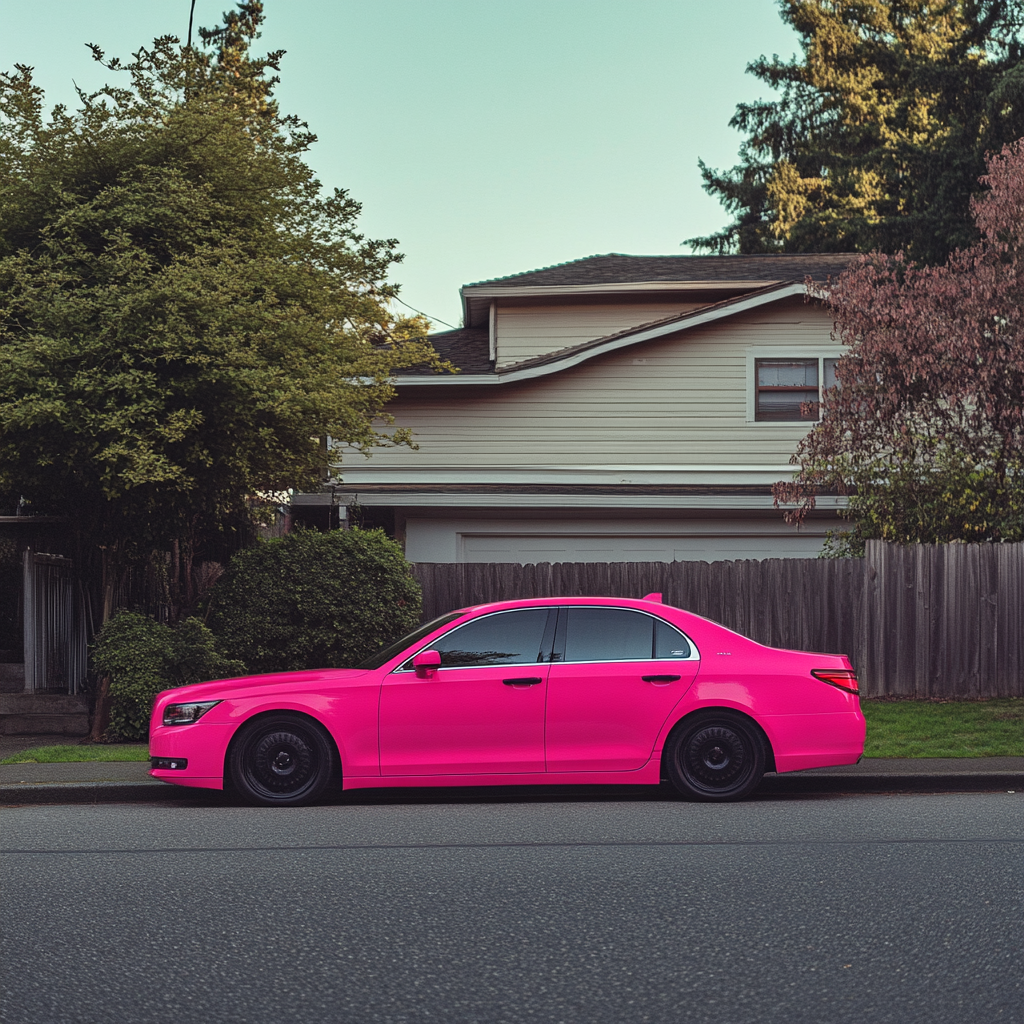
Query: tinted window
{"x":508,"y":638}
{"x":608,"y":634}
{"x":384,"y":656}
{"x":669,"y":642}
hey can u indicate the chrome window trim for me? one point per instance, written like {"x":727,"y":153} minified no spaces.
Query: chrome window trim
{"x":693,"y":656}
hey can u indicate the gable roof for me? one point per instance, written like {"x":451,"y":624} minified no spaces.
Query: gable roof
{"x":474,"y":342}
{"x":618,"y":268}
{"x":618,"y":274}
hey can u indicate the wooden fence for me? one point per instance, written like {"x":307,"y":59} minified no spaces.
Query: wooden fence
{"x":917,"y":621}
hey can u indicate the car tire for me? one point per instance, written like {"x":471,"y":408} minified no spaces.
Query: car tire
{"x":715,"y":757}
{"x":281,"y":760}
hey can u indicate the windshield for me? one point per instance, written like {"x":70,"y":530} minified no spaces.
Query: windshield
{"x":383,"y":657}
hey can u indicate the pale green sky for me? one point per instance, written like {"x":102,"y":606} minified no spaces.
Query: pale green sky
{"x":489,"y":136}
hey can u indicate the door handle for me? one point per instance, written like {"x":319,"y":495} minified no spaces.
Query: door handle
{"x":523,"y":681}
{"x":659,"y":679}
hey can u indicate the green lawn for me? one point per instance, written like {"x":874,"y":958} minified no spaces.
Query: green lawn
{"x":896,"y":728}
{"x":963,"y":728}
{"x":79,"y":752}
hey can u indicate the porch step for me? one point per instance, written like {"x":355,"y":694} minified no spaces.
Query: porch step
{"x":57,"y":714}
{"x":12,"y":677}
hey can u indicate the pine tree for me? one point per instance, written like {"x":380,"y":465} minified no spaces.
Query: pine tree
{"x":880,"y":133}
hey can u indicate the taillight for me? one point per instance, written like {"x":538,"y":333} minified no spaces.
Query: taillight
{"x":841,"y":678}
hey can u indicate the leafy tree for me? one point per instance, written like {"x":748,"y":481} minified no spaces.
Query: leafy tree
{"x":881,"y":129}
{"x":314,"y":600}
{"x":184,"y":313}
{"x":925,"y":429}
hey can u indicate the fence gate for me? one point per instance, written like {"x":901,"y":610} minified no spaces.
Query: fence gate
{"x":55,"y":626}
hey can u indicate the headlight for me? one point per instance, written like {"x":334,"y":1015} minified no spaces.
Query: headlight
{"x":186,"y":714}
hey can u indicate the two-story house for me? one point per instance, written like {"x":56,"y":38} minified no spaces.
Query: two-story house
{"x":616,"y":408}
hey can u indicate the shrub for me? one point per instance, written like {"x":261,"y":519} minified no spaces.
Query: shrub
{"x":314,"y":600}
{"x":143,"y":657}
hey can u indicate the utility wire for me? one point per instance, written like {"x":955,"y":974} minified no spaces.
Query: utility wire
{"x":427,"y":315}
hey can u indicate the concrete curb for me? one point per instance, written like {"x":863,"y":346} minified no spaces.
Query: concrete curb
{"x":801,"y":784}
{"x":88,"y":793}
{"x":961,"y":782}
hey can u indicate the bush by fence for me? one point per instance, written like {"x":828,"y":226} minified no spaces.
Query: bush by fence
{"x":314,"y":600}
{"x":917,"y":620}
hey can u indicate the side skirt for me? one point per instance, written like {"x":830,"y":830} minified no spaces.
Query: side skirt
{"x":649,"y":775}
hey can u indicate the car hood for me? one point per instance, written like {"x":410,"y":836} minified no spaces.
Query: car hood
{"x":219,"y":689}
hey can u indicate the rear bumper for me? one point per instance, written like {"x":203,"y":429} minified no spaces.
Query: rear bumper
{"x":801,"y":742}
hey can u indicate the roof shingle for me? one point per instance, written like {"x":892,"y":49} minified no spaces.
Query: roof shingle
{"x":618,"y":268}
{"x":468,"y":348}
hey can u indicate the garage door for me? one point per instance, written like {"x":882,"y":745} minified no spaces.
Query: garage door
{"x":526,"y":549}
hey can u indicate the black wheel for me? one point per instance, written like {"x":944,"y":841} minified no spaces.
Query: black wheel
{"x":281,"y":761}
{"x":715,"y":757}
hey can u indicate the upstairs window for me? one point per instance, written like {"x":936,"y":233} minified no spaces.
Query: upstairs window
{"x":789,"y":390}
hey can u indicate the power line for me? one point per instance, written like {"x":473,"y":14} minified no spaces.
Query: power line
{"x":427,"y":315}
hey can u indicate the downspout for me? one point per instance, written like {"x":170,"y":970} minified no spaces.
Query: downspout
{"x":492,"y":338}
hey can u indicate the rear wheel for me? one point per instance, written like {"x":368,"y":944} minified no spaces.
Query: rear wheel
{"x":715,"y":757}
{"x":281,"y":760}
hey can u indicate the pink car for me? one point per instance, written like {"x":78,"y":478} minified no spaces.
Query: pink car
{"x":554,"y":690}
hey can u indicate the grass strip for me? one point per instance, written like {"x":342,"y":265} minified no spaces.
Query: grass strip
{"x":896,"y":728}
{"x":941,"y":728}
{"x":63,"y":753}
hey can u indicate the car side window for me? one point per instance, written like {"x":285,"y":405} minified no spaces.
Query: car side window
{"x":608,"y":634}
{"x":669,"y":642}
{"x":505,"y":638}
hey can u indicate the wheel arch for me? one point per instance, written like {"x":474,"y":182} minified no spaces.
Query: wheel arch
{"x":336,"y":766}
{"x":706,"y":710}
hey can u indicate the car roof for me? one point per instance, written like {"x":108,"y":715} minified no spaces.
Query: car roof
{"x":533,"y":602}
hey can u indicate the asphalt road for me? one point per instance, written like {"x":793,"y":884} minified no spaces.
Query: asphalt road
{"x":866,"y":909}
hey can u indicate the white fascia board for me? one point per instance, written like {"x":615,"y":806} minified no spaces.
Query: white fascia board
{"x":713,"y":502}
{"x":636,"y":475}
{"x":696,"y":319}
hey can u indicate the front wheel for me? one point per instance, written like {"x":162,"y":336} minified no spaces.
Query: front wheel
{"x":281,"y":761}
{"x":715,"y":757}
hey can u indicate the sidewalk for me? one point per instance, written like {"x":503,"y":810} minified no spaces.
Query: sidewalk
{"x":129,"y":782}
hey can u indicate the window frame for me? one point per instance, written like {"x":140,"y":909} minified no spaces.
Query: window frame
{"x":819,"y":352}
{"x":547,"y":639}
{"x":558,"y":647}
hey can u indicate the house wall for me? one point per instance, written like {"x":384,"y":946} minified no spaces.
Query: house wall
{"x":681,"y":401}
{"x":526,"y":332}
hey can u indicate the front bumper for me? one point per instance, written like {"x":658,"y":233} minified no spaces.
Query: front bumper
{"x":198,"y":752}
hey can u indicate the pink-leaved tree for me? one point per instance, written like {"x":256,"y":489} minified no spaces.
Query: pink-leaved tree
{"x":925,"y":429}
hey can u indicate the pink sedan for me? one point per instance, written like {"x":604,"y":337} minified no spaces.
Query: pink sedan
{"x":554,"y":690}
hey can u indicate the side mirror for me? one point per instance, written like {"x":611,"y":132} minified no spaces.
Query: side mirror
{"x":426,"y":663}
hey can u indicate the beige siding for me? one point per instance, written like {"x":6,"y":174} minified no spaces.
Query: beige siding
{"x":677,"y":400}
{"x":526,"y":332}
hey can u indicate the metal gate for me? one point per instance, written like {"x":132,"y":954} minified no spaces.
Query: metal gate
{"x":55,"y":625}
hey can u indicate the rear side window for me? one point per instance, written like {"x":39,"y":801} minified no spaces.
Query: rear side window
{"x":506,"y":638}
{"x":618,"y":634}
{"x":669,"y":643}
{"x":608,"y":634}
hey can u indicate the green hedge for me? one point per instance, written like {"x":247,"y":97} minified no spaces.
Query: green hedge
{"x":143,"y":657}
{"x":314,"y":600}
